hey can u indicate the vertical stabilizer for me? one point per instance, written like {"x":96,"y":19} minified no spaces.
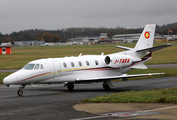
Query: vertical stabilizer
{"x":147,"y":38}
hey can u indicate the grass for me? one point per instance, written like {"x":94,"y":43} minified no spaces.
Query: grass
{"x":167,"y":95}
{"x":22,"y":55}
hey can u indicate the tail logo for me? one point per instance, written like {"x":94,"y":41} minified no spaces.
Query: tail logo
{"x":146,"y":34}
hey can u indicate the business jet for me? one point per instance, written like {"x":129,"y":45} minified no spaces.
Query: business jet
{"x":88,"y":68}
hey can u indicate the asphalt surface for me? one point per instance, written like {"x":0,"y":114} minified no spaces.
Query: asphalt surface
{"x":55,"y":102}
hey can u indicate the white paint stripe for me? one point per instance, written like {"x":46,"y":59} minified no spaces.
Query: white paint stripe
{"x":87,"y":118}
{"x":158,"y":109}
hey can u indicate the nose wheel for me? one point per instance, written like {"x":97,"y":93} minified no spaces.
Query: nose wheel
{"x":20,"y":91}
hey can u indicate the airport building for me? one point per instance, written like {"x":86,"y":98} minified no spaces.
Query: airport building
{"x":120,"y":38}
{"x":125,"y":38}
{"x":85,"y":40}
{"x":28,"y":43}
{"x":5,"y":50}
{"x":128,"y":38}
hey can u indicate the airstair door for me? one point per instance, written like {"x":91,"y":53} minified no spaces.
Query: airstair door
{"x":57,"y":70}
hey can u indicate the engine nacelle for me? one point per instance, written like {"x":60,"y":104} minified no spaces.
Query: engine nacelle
{"x":118,"y":61}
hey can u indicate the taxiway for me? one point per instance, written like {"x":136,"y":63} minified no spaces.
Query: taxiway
{"x":56,"y":102}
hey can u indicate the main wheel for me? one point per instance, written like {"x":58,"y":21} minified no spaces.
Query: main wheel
{"x":20,"y":92}
{"x":70,"y":86}
{"x":106,"y":86}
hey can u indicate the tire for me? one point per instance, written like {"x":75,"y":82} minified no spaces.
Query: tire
{"x":106,"y":86}
{"x":70,"y":86}
{"x":20,"y":92}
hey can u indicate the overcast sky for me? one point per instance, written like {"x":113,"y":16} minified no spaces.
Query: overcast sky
{"x":16,"y":15}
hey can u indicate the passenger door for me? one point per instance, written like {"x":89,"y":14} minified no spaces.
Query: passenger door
{"x":57,"y":69}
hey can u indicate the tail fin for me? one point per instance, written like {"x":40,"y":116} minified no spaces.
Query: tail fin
{"x":147,"y":38}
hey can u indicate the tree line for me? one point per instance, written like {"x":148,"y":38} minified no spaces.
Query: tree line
{"x":62,"y":35}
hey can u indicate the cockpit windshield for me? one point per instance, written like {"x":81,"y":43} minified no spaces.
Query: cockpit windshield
{"x":33,"y":66}
{"x":28,"y":66}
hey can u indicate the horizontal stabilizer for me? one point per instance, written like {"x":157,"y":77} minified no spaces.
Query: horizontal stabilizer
{"x":152,"y":49}
{"x":125,"y":48}
{"x":139,"y":66}
{"x":114,"y":77}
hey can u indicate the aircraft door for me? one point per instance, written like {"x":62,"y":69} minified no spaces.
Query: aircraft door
{"x":57,"y":70}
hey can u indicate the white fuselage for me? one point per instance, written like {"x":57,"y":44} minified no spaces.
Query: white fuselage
{"x":67,"y":69}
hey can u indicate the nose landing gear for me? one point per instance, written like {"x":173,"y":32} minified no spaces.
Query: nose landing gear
{"x":20,"y":91}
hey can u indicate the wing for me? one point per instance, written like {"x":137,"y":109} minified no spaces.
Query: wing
{"x":99,"y":79}
{"x":125,"y":48}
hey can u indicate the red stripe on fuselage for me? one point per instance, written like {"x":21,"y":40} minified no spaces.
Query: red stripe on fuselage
{"x":35,"y":76}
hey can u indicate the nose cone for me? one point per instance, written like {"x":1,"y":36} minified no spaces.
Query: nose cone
{"x":10,"y":80}
{"x":7,"y":81}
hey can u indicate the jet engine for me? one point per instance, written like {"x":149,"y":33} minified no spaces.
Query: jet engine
{"x":119,"y":61}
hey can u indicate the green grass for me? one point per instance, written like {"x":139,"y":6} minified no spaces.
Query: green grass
{"x":22,"y":55}
{"x":167,"y":95}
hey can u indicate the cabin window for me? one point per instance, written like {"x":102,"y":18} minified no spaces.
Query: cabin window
{"x":42,"y":67}
{"x":28,"y":66}
{"x":72,"y":64}
{"x":87,"y":63}
{"x":64,"y":64}
{"x":36,"y":67}
{"x":80,"y":64}
{"x":96,"y":62}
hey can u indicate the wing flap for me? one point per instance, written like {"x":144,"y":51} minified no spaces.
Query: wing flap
{"x":114,"y":77}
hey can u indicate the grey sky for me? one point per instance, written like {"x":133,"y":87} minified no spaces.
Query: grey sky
{"x":16,"y":15}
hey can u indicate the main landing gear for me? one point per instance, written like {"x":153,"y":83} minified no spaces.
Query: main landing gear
{"x":70,"y":86}
{"x":107,"y":85}
{"x":20,"y":91}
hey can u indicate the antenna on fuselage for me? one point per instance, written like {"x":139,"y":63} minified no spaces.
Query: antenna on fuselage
{"x":102,"y":53}
{"x":80,"y":54}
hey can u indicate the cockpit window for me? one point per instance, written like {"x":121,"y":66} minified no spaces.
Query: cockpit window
{"x":42,"y":67}
{"x":36,"y":67}
{"x":29,"y":66}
